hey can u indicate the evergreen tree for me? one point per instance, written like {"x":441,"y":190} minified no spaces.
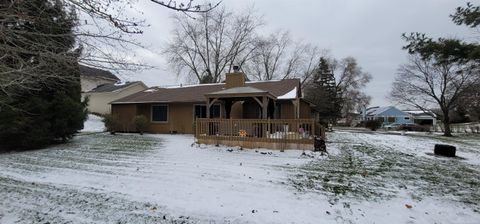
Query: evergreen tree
{"x":322,"y":91}
{"x":48,"y":109}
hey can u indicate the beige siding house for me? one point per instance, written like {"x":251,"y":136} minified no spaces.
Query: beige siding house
{"x":101,"y":96}
{"x":268,"y":114}
{"x":90,"y":78}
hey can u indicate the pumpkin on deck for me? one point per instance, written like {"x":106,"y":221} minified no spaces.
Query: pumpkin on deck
{"x":242,"y":133}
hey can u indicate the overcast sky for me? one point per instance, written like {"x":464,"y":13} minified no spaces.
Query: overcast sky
{"x":369,"y":30}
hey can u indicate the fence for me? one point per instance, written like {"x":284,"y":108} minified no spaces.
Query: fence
{"x":473,"y":127}
{"x":299,"y":131}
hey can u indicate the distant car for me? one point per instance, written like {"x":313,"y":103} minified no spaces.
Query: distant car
{"x":412,"y":127}
{"x":393,"y":126}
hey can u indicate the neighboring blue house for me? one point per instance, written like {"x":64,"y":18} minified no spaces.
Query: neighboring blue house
{"x":388,"y":115}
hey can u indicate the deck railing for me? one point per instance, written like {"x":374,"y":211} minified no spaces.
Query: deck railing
{"x":300,"y":131}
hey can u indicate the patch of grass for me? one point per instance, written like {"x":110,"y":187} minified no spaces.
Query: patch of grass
{"x":469,"y":140}
{"x":88,"y":153}
{"x":368,"y":172}
{"x":45,"y":203}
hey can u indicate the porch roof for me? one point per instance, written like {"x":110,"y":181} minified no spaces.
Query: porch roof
{"x":244,"y":91}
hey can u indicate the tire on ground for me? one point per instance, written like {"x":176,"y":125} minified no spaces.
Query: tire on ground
{"x":445,"y":150}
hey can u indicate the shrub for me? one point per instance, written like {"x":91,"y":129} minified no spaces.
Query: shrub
{"x":111,"y":122}
{"x":141,"y":123}
{"x":373,"y":124}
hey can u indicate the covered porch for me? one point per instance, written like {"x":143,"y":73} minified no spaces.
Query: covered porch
{"x":254,"y":118}
{"x":252,"y":103}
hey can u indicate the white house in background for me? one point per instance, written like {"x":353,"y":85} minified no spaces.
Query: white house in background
{"x":387,"y":115}
{"x":90,"y":78}
{"x":423,"y":117}
{"x":101,"y":96}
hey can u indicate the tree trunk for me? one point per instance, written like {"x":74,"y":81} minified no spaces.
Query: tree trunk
{"x":446,"y":124}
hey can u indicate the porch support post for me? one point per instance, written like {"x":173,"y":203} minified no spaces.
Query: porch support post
{"x":228,"y":108}
{"x":258,"y":101}
{"x":209,"y":104}
{"x":213,"y":101}
{"x":208,"y":107}
{"x":296,"y":108}
{"x":264,"y":107}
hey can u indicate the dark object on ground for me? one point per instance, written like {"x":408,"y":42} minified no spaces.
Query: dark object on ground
{"x":412,"y":127}
{"x":319,"y":145}
{"x":445,"y":150}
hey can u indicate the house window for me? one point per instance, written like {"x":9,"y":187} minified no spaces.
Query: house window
{"x":391,"y":119}
{"x":160,"y":113}
{"x":201,"y":111}
{"x":407,"y":118}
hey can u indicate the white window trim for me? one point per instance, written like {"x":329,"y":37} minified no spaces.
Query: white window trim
{"x":151,"y":114}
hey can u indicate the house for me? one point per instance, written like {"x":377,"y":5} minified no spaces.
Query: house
{"x":423,"y":117}
{"x":90,"y":78}
{"x":230,"y":112}
{"x":387,"y":115}
{"x":101,"y":96}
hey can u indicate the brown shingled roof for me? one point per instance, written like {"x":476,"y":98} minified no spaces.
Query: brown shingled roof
{"x":98,"y":73}
{"x":197,"y":93}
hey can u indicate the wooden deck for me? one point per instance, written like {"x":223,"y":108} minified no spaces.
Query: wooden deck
{"x":258,"y":133}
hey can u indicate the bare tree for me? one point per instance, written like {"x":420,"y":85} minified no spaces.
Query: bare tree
{"x":187,"y":6}
{"x":304,"y":61}
{"x":279,"y":57}
{"x":268,"y":56}
{"x":351,"y":79}
{"x":424,"y":83}
{"x":470,"y":102}
{"x":210,"y":45}
{"x":104,"y":35}
{"x":107,"y":30}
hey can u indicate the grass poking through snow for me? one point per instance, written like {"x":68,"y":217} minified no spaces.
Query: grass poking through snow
{"x":365,"y":171}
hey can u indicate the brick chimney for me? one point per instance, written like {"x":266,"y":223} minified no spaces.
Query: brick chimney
{"x":235,"y":79}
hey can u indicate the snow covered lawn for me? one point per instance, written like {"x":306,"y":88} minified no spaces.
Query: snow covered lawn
{"x":367,"y":178}
{"x":94,"y":123}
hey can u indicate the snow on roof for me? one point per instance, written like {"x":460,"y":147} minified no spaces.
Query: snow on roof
{"x":153,"y":89}
{"x":214,"y":84}
{"x":196,"y":93}
{"x":420,"y":112}
{"x":376,"y":110}
{"x":120,"y":83}
{"x":239,"y":90}
{"x":290,"y":95}
{"x":192,"y":85}
{"x":107,"y":87}
{"x":259,"y":81}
